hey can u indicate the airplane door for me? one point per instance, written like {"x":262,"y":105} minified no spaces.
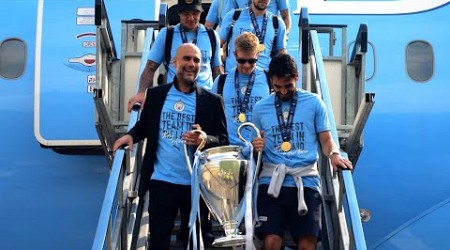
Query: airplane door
{"x":65,"y":74}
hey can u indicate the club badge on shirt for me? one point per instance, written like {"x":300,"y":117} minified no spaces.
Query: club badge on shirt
{"x":179,"y":106}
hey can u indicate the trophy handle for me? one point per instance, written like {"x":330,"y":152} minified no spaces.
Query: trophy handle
{"x":258,"y":134}
{"x":203,"y":136}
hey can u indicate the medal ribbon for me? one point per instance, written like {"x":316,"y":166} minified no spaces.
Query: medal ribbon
{"x":260,"y":34}
{"x":242,"y":105}
{"x":184,"y":37}
{"x":286,"y":127}
{"x":195,"y":204}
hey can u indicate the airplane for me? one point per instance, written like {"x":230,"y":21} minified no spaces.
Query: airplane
{"x":53,"y":168}
{"x":400,"y":176}
{"x":52,"y":177}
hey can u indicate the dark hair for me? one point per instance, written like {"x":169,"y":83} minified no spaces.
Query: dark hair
{"x":283,"y":65}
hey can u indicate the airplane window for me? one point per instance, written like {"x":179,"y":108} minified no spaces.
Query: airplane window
{"x":12,"y":58}
{"x":419,"y":61}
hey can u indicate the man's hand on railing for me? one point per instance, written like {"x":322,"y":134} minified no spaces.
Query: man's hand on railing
{"x":138,"y":98}
{"x":338,"y":162}
{"x":122,"y":142}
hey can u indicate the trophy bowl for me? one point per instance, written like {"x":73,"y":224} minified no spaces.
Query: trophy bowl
{"x":222,"y":179}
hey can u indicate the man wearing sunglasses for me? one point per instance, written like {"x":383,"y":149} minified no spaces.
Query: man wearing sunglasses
{"x":242,"y":87}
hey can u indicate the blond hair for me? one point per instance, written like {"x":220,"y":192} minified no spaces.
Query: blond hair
{"x":246,"y":42}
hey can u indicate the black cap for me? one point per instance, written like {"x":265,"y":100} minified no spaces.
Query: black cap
{"x":190,"y":5}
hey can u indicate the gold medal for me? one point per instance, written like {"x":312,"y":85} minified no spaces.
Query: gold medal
{"x":261,"y":47}
{"x":286,"y":146}
{"x":242,"y":117}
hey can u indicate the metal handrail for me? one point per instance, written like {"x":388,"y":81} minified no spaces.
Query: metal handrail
{"x":111,"y":220}
{"x":360,"y":42}
{"x":100,"y":16}
{"x":322,"y":86}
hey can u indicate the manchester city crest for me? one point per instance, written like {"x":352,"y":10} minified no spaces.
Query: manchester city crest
{"x":178,"y":106}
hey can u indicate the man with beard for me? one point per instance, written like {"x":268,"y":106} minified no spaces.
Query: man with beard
{"x":270,"y":30}
{"x":294,"y":123}
{"x":277,"y":7}
{"x":189,"y":30}
{"x":184,"y":106}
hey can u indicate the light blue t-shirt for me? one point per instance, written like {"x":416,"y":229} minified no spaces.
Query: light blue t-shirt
{"x":275,"y":6}
{"x":244,"y":23}
{"x":217,"y":11}
{"x":236,"y":4}
{"x":309,"y":120}
{"x":177,"y":118}
{"x":204,"y":78}
{"x":260,"y":90}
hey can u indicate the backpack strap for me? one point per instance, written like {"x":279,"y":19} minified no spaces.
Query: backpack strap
{"x":221,"y":83}
{"x":275,"y":27}
{"x":213,"y":41}
{"x":168,"y":47}
{"x":236,"y":14}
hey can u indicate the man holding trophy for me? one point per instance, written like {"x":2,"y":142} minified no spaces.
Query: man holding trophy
{"x":293,"y":123}
{"x":222,"y":177}
{"x":170,"y":113}
{"x":243,"y":87}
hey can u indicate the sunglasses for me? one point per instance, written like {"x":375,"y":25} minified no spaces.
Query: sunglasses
{"x":250,"y":61}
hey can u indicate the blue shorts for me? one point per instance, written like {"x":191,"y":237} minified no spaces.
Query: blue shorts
{"x":278,"y":214}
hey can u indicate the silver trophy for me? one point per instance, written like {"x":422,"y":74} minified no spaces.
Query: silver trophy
{"x":222,"y":181}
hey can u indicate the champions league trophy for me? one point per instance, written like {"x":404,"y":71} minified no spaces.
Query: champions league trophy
{"x":223,"y":178}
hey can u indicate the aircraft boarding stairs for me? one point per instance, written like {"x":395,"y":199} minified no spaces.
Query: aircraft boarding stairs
{"x":123,"y":222}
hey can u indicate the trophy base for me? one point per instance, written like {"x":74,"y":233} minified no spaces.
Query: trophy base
{"x":229,"y":241}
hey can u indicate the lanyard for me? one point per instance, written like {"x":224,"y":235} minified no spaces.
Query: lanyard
{"x":261,"y":34}
{"x":286,"y":127}
{"x":183,"y":35}
{"x":242,"y":105}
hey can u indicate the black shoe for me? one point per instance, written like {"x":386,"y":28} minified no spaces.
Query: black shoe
{"x":208,"y":239}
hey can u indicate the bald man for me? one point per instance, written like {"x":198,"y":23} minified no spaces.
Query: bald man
{"x":170,"y":113}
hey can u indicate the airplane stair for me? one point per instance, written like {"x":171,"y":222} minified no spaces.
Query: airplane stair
{"x":340,"y":83}
{"x":123,"y":222}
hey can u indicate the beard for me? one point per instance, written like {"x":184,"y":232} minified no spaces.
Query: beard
{"x":259,"y":7}
{"x":286,"y":97}
{"x":189,"y":80}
